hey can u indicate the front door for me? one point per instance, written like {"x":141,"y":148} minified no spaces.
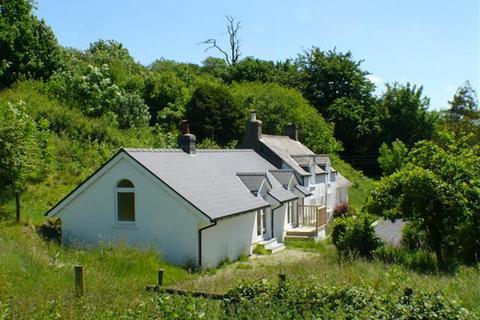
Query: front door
{"x":261,"y":224}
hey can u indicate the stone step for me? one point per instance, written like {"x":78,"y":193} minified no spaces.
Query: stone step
{"x":299,"y":237}
{"x":277,"y":247}
{"x":301,"y":233}
{"x":267,"y":242}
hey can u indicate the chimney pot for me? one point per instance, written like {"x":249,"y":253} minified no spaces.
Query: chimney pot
{"x":253,"y":115}
{"x":187,"y":141}
{"x":291,"y":131}
{"x":184,"y":127}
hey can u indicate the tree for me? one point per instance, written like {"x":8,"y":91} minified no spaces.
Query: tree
{"x":357,"y":126}
{"x":277,"y":106}
{"x":464,"y":104}
{"x":324,"y":77}
{"x":213,"y":114}
{"x":233,"y":29}
{"x":439,"y":191}
{"x":392,"y":158}
{"x":166,"y":95}
{"x":18,"y":143}
{"x":405,"y":114}
{"x":91,"y":89}
{"x":122,"y":68}
{"x":29,"y":48}
{"x":463,"y":116}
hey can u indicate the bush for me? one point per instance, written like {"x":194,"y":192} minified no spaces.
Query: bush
{"x":421,"y":261}
{"x":260,"y":300}
{"x":343,"y":209}
{"x":413,"y":237}
{"x":354,"y":236}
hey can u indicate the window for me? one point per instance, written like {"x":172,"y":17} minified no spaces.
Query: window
{"x":125,"y":201}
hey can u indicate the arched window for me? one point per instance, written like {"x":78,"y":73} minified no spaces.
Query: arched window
{"x":125,"y":201}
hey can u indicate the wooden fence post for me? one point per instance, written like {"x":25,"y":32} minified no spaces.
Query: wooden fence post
{"x":78,"y":270}
{"x":17,"y":206}
{"x":160,"y":278}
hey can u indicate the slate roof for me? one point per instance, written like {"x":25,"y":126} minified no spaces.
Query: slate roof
{"x":209,"y":180}
{"x":253,"y":180}
{"x":295,"y":154}
{"x":283,"y":176}
{"x":342,"y":181}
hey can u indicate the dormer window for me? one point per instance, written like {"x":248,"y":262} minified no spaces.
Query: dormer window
{"x":125,"y":193}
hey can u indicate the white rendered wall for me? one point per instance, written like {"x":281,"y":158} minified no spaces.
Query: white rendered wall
{"x":230,"y":238}
{"x":162,"y":219}
{"x":280,"y":222}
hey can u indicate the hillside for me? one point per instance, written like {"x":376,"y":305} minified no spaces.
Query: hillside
{"x":77,"y":144}
{"x":36,"y":282}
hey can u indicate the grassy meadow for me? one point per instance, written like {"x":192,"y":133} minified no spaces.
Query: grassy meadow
{"x":36,"y":279}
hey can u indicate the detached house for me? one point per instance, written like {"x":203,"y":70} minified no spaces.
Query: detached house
{"x":197,"y":206}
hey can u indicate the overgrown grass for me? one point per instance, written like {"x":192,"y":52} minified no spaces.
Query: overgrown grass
{"x":307,"y":244}
{"x":36,"y":277}
{"x":322,"y":266}
{"x":361,"y":184}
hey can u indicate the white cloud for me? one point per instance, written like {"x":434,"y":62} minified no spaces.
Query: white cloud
{"x":451,"y":88}
{"x":375,"y":79}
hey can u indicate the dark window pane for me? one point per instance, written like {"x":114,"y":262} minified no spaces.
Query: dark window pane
{"x":125,"y":184}
{"x":126,"y":206}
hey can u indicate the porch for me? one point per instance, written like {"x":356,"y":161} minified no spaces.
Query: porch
{"x":309,"y":221}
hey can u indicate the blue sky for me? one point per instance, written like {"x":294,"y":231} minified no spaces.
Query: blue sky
{"x":434,"y":43}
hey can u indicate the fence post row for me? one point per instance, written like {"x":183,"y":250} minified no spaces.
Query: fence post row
{"x":78,"y":270}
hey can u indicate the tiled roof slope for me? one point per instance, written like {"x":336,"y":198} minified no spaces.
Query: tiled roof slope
{"x":208,"y":179}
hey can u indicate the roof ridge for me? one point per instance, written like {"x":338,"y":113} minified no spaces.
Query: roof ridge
{"x":225,"y":150}
{"x":251,"y":173}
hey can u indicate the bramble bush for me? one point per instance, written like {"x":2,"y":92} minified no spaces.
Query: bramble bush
{"x":355,"y":236}
{"x":261,"y":300}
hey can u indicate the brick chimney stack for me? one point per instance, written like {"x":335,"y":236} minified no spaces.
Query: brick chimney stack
{"x":291,"y":130}
{"x":253,"y":132}
{"x":187,"y":141}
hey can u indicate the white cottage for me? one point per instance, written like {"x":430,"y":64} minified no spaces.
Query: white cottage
{"x":193,"y":206}
{"x":199,"y":206}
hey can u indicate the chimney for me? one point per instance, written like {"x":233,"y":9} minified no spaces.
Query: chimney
{"x":186,"y":141}
{"x":253,"y":132}
{"x":291,"y":131}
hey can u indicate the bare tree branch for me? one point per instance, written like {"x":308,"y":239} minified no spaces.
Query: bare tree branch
{"x":233,"y":29}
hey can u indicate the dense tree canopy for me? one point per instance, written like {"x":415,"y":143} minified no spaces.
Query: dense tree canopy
{"x":439,"y":190}
{"x":392,"y":158}
{"x":325,"y":76}
{"x":277,"y":106}
{"x":213,"y":113}
{"x":404,"y":114}
{"x":28,"y":47}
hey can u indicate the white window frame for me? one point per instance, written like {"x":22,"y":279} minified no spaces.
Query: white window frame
{"x":125,"y":190}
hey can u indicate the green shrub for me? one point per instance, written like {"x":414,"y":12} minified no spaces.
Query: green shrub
{"x":421,"y":261}
{"x":260,"y":300}
{"x":413,"y":237}
{"x":354,"y":236}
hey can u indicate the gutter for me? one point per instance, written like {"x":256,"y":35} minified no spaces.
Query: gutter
{"x":200,"y":241}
